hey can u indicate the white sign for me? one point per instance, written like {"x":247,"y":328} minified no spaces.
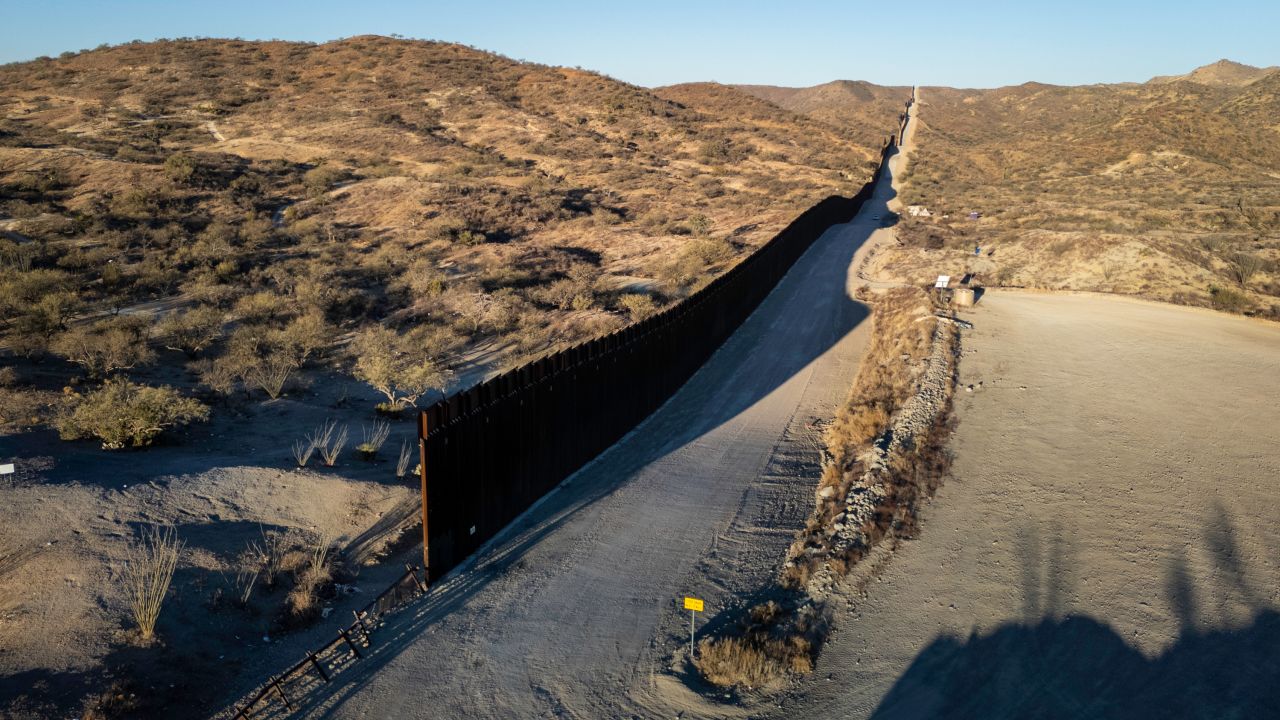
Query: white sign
{"x":943,"y":281}
{"x":6,"y":469}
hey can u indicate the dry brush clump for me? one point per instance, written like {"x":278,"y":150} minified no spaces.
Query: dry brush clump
{"x":405,"y":457}
{"x":373,"y":438}
{"x":125,"y":414}
{"x":147,"y":572}
{"x":771,"y":641}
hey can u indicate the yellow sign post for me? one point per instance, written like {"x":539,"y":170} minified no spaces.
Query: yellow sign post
{"x":694,"y":606}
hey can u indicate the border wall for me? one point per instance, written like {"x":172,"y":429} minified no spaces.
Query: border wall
{"x":491,"y":451}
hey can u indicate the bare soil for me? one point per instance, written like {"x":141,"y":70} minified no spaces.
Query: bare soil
{"x":68,"y":512}
{"x":1107,"y":547}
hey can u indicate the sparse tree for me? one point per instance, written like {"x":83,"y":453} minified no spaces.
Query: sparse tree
{"x":396,"y":366}
{"x":105,"y":347}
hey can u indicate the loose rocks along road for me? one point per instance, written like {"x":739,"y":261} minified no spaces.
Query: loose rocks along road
{"x":572,"y":612}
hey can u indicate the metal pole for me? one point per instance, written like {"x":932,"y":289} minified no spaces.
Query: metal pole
{"x":422,"y":473}
{"x":692,"y":614}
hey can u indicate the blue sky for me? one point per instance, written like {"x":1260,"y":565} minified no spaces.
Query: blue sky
{"x":964,"y":44}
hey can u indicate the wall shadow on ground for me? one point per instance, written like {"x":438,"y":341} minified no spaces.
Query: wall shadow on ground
{"x":743,"y":372}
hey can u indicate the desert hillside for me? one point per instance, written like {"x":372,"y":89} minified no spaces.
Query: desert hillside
{"x":1167,"y":190}
{"x":1223,"y":72}
{"x":853,"y":105}
{"x":252,"y":258}
{"x":470,"y":197}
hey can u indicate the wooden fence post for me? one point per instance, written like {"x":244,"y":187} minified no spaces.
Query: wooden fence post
{"x":351,"y":644}
{"x":413,"y":572}
{"x":285,"y":698}
{"x":316,"y":664}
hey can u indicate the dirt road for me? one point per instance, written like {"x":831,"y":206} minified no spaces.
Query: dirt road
{"x":1108,"y":545}
{"x":573,"y":613}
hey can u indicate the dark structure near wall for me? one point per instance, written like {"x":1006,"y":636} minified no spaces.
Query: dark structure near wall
{"x":490,"y":452}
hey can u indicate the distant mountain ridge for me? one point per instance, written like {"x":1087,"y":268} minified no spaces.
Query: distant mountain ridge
{"x":1222,"y":73}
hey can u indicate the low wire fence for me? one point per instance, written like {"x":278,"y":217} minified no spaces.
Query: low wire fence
{"x":322,"y":664}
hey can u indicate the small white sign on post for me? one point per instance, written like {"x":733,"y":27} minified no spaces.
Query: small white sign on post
{"x":6,"y":469}
{"x":943,"y":281}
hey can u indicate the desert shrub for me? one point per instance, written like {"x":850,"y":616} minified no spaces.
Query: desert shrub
{"x":710,"y":187}
{"x":313,"y":574}
{"x":180,"y":168}
{"x":721,"y":149}
{"x":699,"y":225}
{"x":403,"y":460}
{"x":373,"y":438}
{"x":146,"y":575}
{"x":1244,"y":266}
{"x":319,"y":179}
{"x":638,"y":305}
{"x":265,"y":358}
{"x":302,"y":450}
{"x":330,"y":440}
{"x":124,"y":414}
{"x":193,"y":331}
{"x":303,"y":337}
{"x":1228,"y":300}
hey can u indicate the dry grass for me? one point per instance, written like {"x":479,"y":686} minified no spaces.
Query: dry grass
{"x":148,"y":570}
{"x":311,"y":572}
{"x":770,"y":642}
{"x":902,"y":338}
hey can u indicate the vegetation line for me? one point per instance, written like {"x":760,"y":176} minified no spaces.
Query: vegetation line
{"x":886,"y":455}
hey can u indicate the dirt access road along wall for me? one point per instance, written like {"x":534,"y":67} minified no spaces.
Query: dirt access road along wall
{"x":492,"y":451}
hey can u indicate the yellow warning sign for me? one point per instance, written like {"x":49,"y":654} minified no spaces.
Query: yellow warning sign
{"x":693,"y":604}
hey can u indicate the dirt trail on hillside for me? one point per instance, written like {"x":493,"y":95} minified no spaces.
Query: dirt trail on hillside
{"x":573,"y":612}
{"x":1107,"y":547}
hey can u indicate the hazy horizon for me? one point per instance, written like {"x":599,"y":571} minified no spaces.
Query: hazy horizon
{"x":740,"y":43}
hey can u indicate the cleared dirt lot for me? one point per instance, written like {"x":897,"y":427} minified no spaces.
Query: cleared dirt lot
{"x":1108,"y":547}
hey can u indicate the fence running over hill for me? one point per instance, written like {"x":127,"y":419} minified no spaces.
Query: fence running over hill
{"x":490,"y":452}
